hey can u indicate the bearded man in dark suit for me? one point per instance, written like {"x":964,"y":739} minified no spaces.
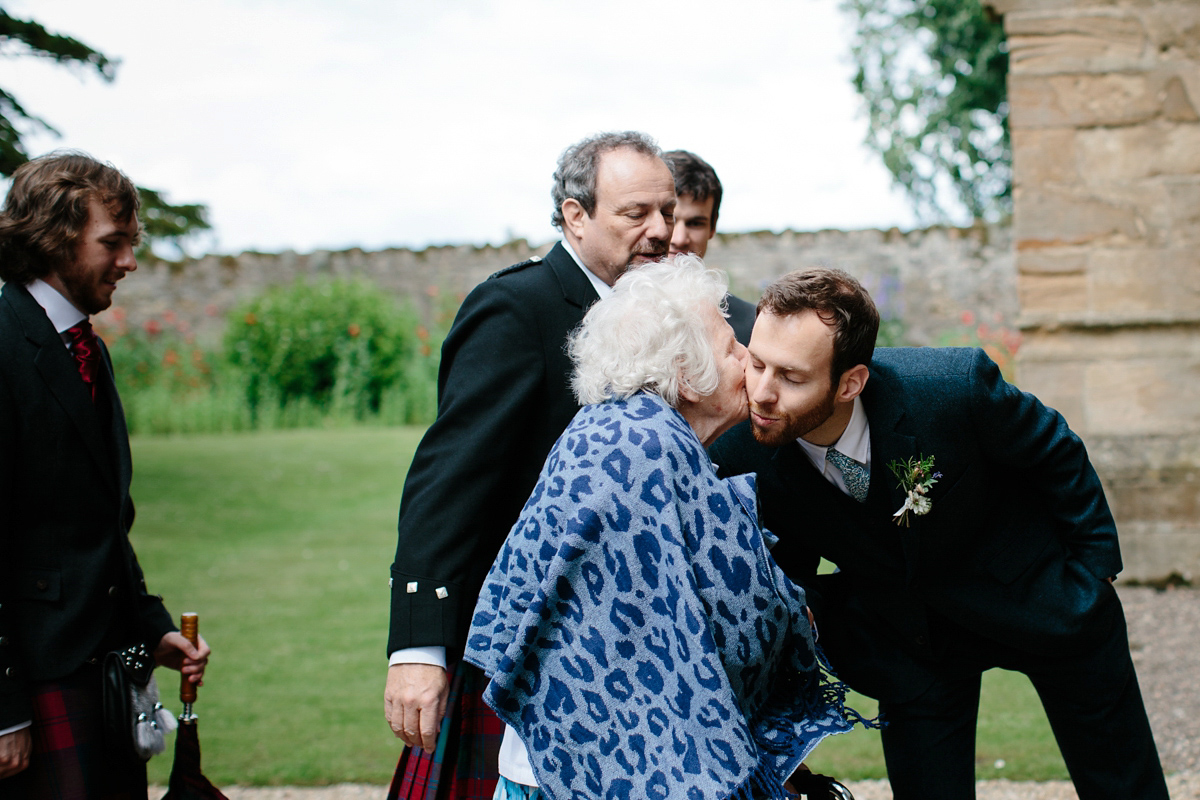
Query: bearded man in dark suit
{"x":70,"y":586}
{"x":989,"y":544}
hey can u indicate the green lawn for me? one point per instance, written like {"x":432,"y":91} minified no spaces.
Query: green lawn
{"x":281,"y":541}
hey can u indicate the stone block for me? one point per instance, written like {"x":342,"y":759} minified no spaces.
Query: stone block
{"x":1148,"y":396}
{"x":1074,"y":40}
{"x":1054,"y":217}
{"x":1177,"y":103}
{"x":1058,"y":385}
{"x":1127,"y":154}
{"x":1056,"y":101}
{"x":1056,"y":293}
{"x":1044,"y":155}
{"x":1174,"y":29}
{"x":1153,"y":550}
{"x":1138,"y":280}
{"x":1051,"y":260}
{"x":1183,"y":207}
{"x":1005,"y":7}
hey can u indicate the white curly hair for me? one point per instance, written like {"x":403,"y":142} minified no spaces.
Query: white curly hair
{"x":650,"y":334}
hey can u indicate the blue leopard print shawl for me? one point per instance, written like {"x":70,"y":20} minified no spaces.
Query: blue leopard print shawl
{"x":637,"y":634}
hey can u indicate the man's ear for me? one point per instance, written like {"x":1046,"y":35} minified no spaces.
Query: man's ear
{"x":573,"y":217}
{"x":853,"y":381}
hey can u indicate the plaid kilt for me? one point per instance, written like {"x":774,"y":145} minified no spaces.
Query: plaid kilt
{"x":70,"y":760}
{"x":464,"y":765}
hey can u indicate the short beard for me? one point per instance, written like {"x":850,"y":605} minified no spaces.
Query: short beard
{"x":796,"y":427}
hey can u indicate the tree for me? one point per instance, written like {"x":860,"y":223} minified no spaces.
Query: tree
{"x":932,"y":73}
{"x":164,"y":223}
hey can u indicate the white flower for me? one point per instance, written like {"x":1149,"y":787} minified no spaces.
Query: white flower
{"x":920,"y":503}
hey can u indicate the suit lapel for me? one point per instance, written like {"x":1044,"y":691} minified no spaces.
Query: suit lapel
{"x":58,"y":370}
{"x":884,"y":403}
{"x":119,"y":430}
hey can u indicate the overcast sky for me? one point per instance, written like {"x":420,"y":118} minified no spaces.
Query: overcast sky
{"x":307,"y":124}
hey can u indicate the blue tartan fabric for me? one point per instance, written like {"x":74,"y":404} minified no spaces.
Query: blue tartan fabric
{"x":464,"y":764}
{"x":70,"y":760}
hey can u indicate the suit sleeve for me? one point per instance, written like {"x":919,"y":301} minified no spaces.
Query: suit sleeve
{"x":15,"y":706}
{"x":1047,"y":459}
{"x":468,"y":480}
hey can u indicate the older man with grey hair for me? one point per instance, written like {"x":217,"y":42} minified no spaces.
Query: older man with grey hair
{"x":504,"y":397}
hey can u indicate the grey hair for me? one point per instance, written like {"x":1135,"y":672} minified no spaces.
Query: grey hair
{"x":575,"y":176}
{"x":650,"y":334}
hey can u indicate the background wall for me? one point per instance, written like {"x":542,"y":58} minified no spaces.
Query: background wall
{"x":1106,"y":156}
{"x":926,"y":278}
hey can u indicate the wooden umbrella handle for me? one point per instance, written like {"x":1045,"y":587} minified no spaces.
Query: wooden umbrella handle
{"x":189,"y":626}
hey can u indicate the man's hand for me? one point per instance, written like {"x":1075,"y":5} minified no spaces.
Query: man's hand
{"x":176,"y":652}
{"x":15,"y":748}
{"x":414,"y":701}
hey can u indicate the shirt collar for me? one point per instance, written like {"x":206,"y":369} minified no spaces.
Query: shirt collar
{"x":602,"y":288}
{"x":854,"y":442}
{"x":61,"y":311}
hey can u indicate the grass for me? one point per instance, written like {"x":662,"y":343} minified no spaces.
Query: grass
{"x":281,"y":542}
{"x":1013,"y":741}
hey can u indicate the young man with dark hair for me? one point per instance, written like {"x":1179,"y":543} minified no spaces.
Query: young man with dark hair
{"x":969,"y":529}
{"x":71,"y":589}
{"x":697,"y":204}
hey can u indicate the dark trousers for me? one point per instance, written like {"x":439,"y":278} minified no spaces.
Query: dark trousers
{"x":71,"y":759}
{"x":1092,"y":701}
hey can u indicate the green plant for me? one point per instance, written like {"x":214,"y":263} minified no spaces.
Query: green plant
{"x":338,"y":345}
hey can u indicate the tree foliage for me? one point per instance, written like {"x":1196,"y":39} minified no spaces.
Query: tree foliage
{"x":20,"y":37}
{"x":164,"y":223}
{"x":932,"y":73}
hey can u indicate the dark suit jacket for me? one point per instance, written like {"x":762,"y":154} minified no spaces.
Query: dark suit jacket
{"x":741,"y":317}
{"x":504,"y":397}
{"x":69,"y":581}
{"x":1015,"y":548}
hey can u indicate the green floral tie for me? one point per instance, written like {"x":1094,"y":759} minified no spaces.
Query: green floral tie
{"x":856,"y":476}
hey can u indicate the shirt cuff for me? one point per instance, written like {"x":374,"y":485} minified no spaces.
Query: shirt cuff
{"x":16,"y":728}
{"x":434,"y":655}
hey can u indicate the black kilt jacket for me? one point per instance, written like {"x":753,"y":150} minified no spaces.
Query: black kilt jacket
{"x":70,"y":584}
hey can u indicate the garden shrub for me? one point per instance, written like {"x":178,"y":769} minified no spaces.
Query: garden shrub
{"x":337,"y":346}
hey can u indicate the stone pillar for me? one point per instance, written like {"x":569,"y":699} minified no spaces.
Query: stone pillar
{"x":1106,"y":155}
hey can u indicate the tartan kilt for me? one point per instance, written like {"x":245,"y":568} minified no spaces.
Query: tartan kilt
{"x":464,"y":764}
{"x":70,"y":758}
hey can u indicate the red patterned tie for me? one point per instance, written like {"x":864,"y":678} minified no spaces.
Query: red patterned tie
{"x":86,"y":349}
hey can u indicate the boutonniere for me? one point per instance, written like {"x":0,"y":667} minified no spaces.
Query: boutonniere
{"x":916,"y":476}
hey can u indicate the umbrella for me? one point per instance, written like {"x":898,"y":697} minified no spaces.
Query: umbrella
{"x":187,"y":782}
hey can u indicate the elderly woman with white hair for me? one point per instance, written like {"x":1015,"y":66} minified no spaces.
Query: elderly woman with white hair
{"x":638,"y":637}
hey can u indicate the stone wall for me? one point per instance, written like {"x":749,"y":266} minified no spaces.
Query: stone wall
{"x":1106,"y":157}
{"x":928,"y":278}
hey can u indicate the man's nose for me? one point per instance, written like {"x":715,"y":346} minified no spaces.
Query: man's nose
{"x":679,"y":238}
{"x":660,"y":227}
{"x":127,"y":260}
{"x":758,"y":388}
